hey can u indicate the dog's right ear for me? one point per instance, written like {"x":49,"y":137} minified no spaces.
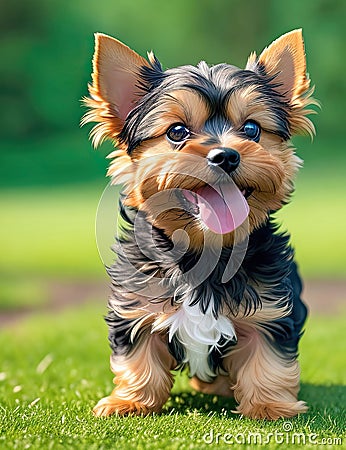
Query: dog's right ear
{"x":115,"y":87}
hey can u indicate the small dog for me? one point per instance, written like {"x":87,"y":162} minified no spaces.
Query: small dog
{"x":203,"y":278}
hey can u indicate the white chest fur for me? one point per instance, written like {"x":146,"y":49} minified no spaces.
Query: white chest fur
{"x":199,"y":334}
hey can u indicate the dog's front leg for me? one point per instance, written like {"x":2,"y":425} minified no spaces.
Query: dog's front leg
{"x":265,"y":380}
{"x":143,"y":379}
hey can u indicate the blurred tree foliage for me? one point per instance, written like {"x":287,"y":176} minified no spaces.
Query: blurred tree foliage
{"x":46,"y":49}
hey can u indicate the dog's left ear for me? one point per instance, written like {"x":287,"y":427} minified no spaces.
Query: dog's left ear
{"x":284,"y":63}
{"x":115,"y":88}
{"x":284,"y":60}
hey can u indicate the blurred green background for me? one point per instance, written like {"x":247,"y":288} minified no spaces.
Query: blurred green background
{"x":50,"y":177}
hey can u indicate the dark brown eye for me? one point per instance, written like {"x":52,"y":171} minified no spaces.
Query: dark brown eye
{"x":178,"y":133}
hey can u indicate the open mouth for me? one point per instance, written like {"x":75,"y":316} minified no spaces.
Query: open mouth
{"x":221,"y":208}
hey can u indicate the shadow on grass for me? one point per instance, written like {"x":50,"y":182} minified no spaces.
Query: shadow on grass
{"x":321,"y":399}
{"x":185,"y":402}
{"x":324,"y":398}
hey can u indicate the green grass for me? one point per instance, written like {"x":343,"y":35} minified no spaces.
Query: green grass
{"x":49,"y":232}
{"x":315,"y":218}
{"x":22,"y":293}
{"x":53,"y":369}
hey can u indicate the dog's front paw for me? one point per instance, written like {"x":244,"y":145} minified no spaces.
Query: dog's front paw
{"x":272,"y":411}
{"x":114,"y":405}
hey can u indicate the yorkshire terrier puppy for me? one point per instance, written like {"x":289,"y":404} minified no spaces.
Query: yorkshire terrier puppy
{"x":202,"y":278}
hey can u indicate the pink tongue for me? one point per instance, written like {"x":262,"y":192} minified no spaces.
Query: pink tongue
{"x":221,"y":210}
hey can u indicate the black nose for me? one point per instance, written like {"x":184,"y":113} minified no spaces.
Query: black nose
{"x":226,"y":158}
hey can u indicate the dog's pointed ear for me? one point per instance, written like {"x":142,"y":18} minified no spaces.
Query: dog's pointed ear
{"x":116,"y":87}
{"x":283,"y":65}
{"x":116,"y":73}
{"x":284,"y":61}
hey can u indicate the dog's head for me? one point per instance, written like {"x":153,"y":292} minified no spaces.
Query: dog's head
{"x":203,"y":149}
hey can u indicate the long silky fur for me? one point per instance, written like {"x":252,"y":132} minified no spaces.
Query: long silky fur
{"x":158,"y":306}
{"x":267,"y":274}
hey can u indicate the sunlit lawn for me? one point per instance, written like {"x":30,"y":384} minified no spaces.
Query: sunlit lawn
{"x":49,"y":231}
{"x":316,"y":219}
{"x":53,"y":369}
